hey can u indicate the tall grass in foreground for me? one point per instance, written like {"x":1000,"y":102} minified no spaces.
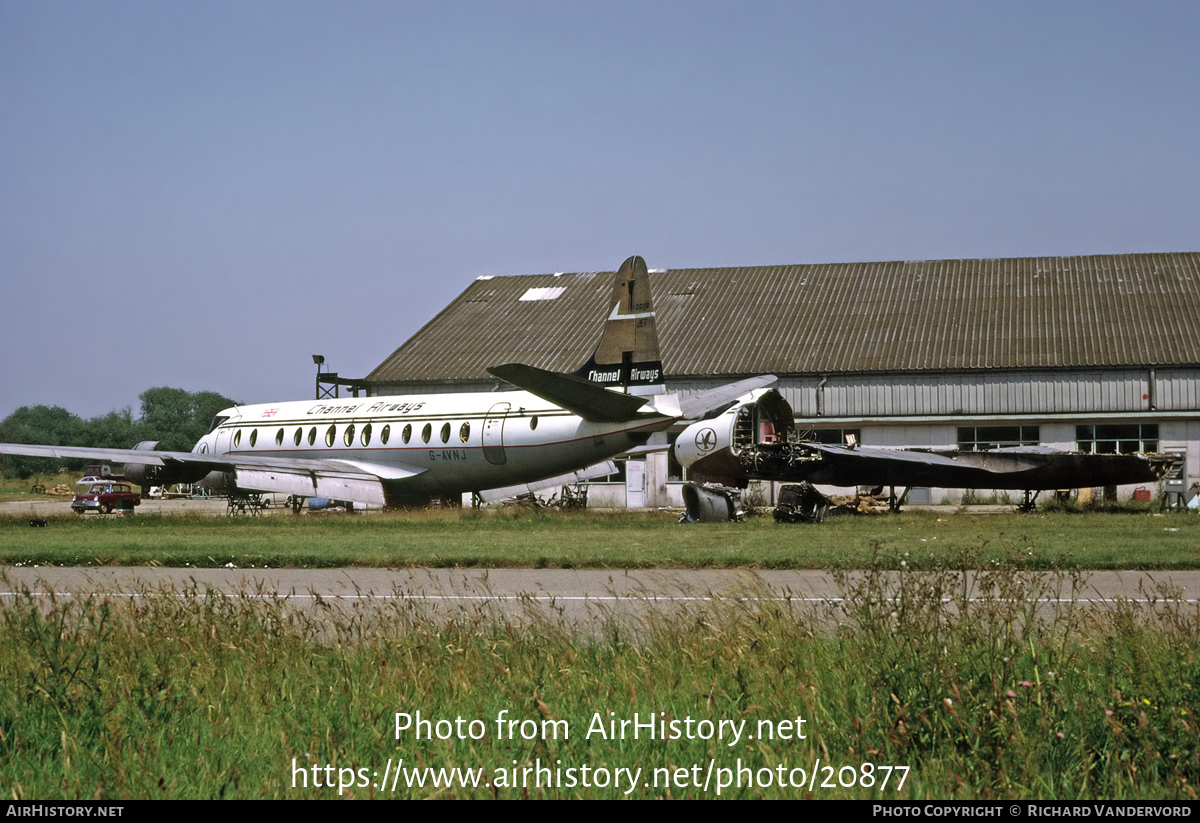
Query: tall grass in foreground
{"x":178,"y":694}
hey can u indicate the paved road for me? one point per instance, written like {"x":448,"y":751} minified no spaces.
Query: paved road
{"x":576,"y":595}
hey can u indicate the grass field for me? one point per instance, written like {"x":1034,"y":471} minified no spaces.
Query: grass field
{"x":185,"y":696}
{"x":178,"y":695}
{"x":523,"y":538}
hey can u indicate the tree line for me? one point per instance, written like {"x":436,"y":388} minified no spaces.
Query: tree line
{"x":174,"y":417}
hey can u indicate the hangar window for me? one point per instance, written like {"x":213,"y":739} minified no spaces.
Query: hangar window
{"x":237,"y":438}
{"x":1123,"y":438}
{"x":330,"y":435}
{"x":464,"y":432}
{"x":406,"y":435}
{"x":982,"y":438}
{"x":385,"y":434}
{"x":833,"y":437}
{"x":312,"y":436}
{"x":445,"y":432}
{"x":426,"y":432}
{"x":366,"y":435}
{"x":253,"y":437}
{"x":617,"y":477}
{"x":533,"y":423}
{"x":279,"y":438}
{"x":298,"y":435}
{"x":348,"y":437}
{"x":543,"y":293}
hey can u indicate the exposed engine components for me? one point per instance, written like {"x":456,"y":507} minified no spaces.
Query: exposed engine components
{"x":710,"y":503}
{"x":802,"y":503}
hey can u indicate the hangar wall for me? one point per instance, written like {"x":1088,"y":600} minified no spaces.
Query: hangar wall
{"x":984,"y":393}
{"x":903,"y":352}
{"x":926,"y":410}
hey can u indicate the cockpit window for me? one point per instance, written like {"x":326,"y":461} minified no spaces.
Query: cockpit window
{"x":216,"y":421}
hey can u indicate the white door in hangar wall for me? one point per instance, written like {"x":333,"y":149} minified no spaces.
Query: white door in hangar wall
{"x":635,"y":484}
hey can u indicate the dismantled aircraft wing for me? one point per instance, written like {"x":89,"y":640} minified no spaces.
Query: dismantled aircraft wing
{"x":756,"y":439}
{"x":1017,"y":469}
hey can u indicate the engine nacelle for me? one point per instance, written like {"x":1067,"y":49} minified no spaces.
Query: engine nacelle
{"x":710,"y":503}
{"x":154,"y":474}
{"x":220,"y":482}
{"x":716,"y":450}
{"x":706,"y":450}
{"x":705,"y":438}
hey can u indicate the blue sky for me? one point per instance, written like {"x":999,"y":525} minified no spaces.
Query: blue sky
{"x":202,"y":194}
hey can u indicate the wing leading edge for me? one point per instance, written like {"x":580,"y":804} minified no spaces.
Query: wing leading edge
{"x":999,"y":469}
{"x":360,"y":481}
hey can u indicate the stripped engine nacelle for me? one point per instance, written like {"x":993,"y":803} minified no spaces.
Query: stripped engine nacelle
{"x":717,"y":450}
{"x":220,"y":482}
{"x":705,"y":447}
{"x":710,"y":503}
{"x":153,"y":474}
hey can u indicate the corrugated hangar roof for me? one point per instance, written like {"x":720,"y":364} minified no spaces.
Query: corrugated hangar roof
{"x":937,"y":315}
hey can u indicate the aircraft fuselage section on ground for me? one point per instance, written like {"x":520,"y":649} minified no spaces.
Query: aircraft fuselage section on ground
{"x":756,"y":440}
{"x":428,"y":444}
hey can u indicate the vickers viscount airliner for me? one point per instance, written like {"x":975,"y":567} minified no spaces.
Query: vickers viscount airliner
{"x":376,"y":451}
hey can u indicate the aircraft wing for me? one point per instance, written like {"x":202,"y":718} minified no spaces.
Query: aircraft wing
{"x":214,"y":462}
{"x":601,"y":469}
{"x":107,"y":455}
{"x":701,"y":404}
{"x":1018,"y":468}
{"x":359,"y":481}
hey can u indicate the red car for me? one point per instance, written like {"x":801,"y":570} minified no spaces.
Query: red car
{"x":104,"y":497}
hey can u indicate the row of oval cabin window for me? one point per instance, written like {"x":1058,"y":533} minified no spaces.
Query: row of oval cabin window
{"x":464,"y":434}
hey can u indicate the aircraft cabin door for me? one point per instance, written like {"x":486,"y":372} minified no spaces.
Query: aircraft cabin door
{"x":493,"y":434}
{"x":222,"y":444}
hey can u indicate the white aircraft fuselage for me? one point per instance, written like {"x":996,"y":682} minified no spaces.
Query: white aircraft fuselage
{"x":429,"y":444}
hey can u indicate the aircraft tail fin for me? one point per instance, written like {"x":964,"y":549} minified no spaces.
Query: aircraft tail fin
{"x":627,"y":355}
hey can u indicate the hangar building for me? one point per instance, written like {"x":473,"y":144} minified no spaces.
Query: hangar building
{"x":1097,"y":353}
